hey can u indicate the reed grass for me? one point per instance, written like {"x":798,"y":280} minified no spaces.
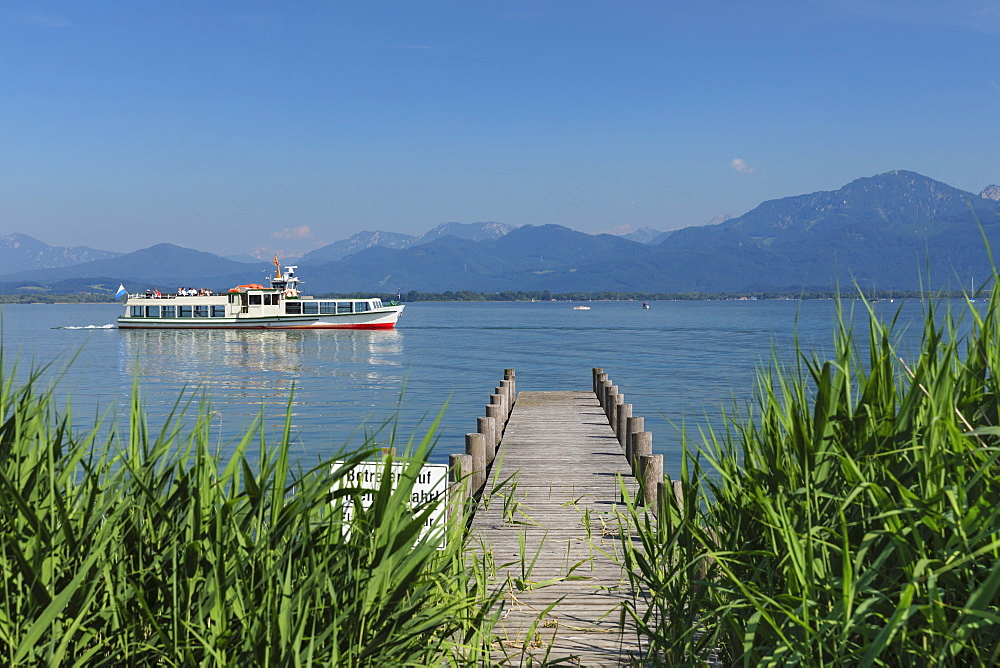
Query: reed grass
{"x":120,"y":546}
{"x":850,"y":517}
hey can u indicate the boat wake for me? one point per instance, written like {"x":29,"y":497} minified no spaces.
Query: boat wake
{"x":86,"y":327}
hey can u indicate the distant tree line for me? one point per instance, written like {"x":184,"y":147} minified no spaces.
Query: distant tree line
{"x":545,"y":295}
{"x":538,"y":295}
{"x":46,"y":298}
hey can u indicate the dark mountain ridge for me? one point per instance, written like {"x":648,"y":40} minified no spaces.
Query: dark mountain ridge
{"x":883,"y":231}
{"x":895,"y":230}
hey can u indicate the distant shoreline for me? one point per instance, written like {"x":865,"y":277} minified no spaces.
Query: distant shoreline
{"x":517,"y":296}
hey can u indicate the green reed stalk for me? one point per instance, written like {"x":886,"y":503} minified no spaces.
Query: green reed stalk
{"x":151,"y":549}
{"x":852,"y":517}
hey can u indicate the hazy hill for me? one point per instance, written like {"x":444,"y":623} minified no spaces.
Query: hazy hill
{"x":469,"y":231}
{"x":20,"y":252}
{"x":356,"y":242}
{"x":163,"y":266}
{"x":524,"y":259}
{"x":364,"y":240}
{"x":645,"y":235}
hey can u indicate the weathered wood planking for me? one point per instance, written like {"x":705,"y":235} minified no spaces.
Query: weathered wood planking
{"x":559,"y":511}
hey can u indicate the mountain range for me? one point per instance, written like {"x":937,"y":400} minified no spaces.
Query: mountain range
{"x":897,"y":230}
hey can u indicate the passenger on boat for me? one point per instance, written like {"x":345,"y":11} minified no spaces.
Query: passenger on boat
{"x":149,"y":293}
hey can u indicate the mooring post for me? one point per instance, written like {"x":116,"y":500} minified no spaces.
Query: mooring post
{"x":616,"y":412}
{"x":635,"y":425}
{"x":475,"y":446}
{"x":488,"y":428}
{"x":599,"y":390}
{"x":678,"y":489}
{"x":459,"y":484}
{"x":661,"y":511}
{"x":650,"y":475}
{"x":595,"y":372}
{"x":507,"y":387}
{"x":624,"y":413}
{"x":497,"y":400}
{"x":612,"y":393}
{"x":605,"y":390}
{"x":511,"y":375}
{"x":493,"y":411}
{"x":642,"y":444}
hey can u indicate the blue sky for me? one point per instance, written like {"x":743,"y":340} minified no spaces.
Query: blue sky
{"x":231,"y":126}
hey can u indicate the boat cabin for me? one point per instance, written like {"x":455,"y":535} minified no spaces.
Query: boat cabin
{"x":244,"y":302}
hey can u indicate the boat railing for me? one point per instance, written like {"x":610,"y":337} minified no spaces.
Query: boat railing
{"x":170,"y":295}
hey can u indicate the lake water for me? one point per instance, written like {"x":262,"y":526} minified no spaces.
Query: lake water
{"x":676,"y":363}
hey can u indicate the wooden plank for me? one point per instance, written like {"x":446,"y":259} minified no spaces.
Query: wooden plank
{"x":552,"y":533}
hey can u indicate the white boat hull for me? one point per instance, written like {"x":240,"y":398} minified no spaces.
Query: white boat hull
{"x":384,"y":318}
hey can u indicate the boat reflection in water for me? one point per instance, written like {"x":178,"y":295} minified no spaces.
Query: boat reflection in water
{"x":337,"y":379}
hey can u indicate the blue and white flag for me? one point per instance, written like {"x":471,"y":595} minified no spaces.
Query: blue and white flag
{"x":122,"y":292}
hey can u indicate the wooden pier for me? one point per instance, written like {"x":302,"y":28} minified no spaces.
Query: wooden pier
{"x":552,"y":529}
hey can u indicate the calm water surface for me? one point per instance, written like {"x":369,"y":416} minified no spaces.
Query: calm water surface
{"x":676,"y":363}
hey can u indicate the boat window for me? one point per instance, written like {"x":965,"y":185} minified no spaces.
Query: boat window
{"x":310,"y":308}
{"x":152,"y":311}
{"x":361,"y":307}
{"x":168,"y":311}
{"x":184,"y":311}
{"x":327,"y":307}
{"x":201,"y":310}
{"x":137,"y":311}
{"x":377,"y":303}
{"x":343,"y":307}
{"x":270,"y":300}
{"x":255,"y":300}
{"x":218,"y":310}
{"x":293,"y":308}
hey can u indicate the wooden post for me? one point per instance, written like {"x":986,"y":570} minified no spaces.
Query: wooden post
{"x":650,"y":475}
{"x":508,"y":391}
{"x":493,"y":411}
{"x":605,"y":390}
{"x":678,"y":489}
{"x":616,"y":411}
{"x":459,"y":485}
{"x":595,"y":372}
{"x":599,"y":389}
{"x":661,"y":511}
{"x":635,"y":424}
{"x":487,"y":426}
{"x":642,"y":444}
{"x":497,"y":400}
{"x":624,"y":413}
{"x":475,"y":446}
{"x":511,"y":375}
{"x":610,"y":400}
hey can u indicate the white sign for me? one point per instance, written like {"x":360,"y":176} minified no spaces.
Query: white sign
{"x":430,"y":485}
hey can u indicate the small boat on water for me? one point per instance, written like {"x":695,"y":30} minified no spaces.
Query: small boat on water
{"x":253,"y":306}
{"x":645,"y":304}
{"x":581,"y":308}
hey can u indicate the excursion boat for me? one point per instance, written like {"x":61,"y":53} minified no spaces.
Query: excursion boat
{"x":253,"y":306}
